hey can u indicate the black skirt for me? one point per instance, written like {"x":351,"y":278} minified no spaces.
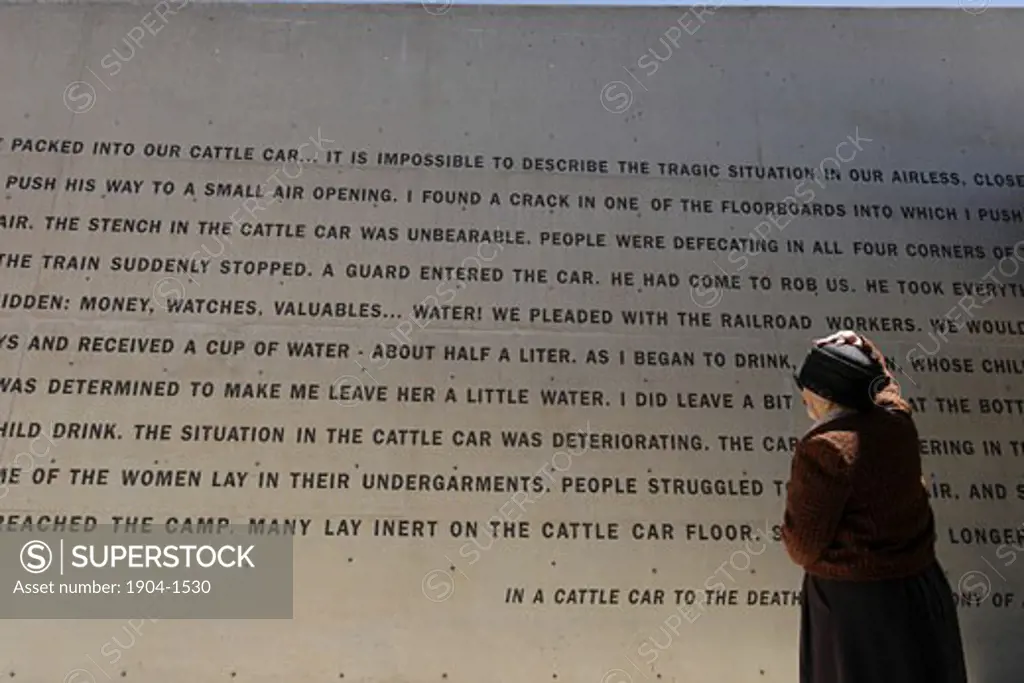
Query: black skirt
{"x":896,"y":631}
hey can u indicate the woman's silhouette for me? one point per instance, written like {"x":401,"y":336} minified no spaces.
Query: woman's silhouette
{"x":877,"y":607}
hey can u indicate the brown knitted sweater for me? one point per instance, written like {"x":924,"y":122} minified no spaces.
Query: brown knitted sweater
{"x":856,"y":508}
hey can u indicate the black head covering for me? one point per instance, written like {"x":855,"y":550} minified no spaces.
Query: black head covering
{"x":844,"y":374}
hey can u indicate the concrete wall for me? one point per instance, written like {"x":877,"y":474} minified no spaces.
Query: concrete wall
{"x":923,"y":104}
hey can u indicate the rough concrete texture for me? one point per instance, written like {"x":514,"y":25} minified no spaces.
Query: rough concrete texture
{"x":690,"y":136}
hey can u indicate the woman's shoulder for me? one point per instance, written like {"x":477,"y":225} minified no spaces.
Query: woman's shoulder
{"x":847,"y":434}
{"x":834,"y":443}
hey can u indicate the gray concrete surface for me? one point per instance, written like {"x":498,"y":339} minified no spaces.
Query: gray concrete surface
{"x":930,"y":96}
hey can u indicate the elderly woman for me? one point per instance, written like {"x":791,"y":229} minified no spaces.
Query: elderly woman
{"x":877,"y":607}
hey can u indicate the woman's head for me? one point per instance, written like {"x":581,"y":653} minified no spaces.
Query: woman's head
{"x":837,"y":376}
{"x":817,"y":406}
